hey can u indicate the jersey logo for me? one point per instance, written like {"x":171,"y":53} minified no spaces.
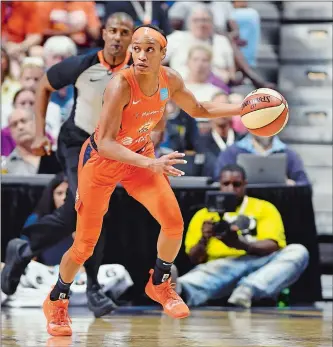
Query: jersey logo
{"x":145,"y":127}
{"x":126,"y":141}
{"x":164,"y":94}
{"x":136,"y":102}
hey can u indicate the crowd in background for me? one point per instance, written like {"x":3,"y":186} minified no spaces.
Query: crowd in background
{"x":213,"y":45}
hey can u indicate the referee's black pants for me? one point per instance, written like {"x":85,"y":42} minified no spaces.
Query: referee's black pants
{"x":54,"y":227}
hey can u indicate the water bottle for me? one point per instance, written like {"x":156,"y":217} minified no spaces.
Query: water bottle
{"x":4,"y":169}
{"x":283,"y":300}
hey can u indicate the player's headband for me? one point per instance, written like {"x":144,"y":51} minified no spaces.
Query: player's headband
{"x":146,"y":31}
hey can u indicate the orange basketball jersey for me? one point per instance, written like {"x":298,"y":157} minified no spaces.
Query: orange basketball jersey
{"x":142,"y":112}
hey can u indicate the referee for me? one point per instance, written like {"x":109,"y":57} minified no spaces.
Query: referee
{"x":89,"y":73}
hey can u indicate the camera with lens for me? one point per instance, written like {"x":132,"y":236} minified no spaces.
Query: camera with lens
{"x":221,"y":203}
{"x":226,"y":202}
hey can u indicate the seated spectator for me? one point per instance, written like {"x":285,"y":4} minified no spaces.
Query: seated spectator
{"x":22,"y":161}
{"x":181,"y":131}
{"x":52,"y":198}
{"x":76,"y":19}
{"x":142,"y":12}
{"x":20,"y":26}
{"x":25,"y":98}
{"x":248,"y":21}
{"x":250,"y":260}
{"x":201,"y":32}
{"x":31,"y":72}
{"x":221,"y":136}
{"x":235,"y":19}
{"x":9,"y":86}
{"x":57,"y":49}
{"x":226,"y":53}
{"x":199,"y":71}
{"x":264,"y":146}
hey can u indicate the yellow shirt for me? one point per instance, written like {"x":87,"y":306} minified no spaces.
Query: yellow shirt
{"x":266,"y":223}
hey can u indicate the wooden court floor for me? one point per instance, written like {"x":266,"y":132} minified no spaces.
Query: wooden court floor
{"x":147,"y":327}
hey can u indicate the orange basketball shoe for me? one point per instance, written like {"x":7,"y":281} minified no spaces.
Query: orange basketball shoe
{"x":164,"y":294}
{"x":56,"y":314}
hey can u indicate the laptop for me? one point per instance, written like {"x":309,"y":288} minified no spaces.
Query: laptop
{"x":259,"y":169}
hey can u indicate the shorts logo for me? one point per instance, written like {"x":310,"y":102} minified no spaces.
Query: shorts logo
{"x":126,"y":141}
{"x":165,"y":277}
{"x":164,"y":94}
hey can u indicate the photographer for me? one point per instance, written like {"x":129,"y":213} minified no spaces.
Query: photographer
{"x":244,"y":255}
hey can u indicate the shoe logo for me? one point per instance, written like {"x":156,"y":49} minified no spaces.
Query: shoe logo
{"x":136,"y":102}
{"x":165,"y":277}
{"x":62,"y":296}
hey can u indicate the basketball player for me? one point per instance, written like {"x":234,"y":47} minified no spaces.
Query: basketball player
{"x":121,"y":151}
{"x":89,"y":74}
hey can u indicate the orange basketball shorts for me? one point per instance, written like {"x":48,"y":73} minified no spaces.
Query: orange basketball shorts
{"x":97,"y":179}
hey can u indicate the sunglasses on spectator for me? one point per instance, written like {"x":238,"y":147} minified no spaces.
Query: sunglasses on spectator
{"x":236,"y":184}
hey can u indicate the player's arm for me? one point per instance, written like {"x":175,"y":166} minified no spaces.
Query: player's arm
{"x":160,"y":126}
{"x":186,"y":101}
{"x":57,"y":77}
{"x":116,"y":97}
{"x":43,"y":93}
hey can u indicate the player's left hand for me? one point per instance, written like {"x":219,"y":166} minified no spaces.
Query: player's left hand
{"x":165,"y":164}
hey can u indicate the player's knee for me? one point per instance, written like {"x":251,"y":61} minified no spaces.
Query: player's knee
{"x":174,"y":227}
{"x":81,"y":253}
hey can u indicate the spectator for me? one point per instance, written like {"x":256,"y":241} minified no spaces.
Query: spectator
{"x":264,"y":146}
{"x":25,"y":98}
{"x":22,"y":161}
{"x":20,"y":26}
{"x":53,"y":197}
{"x":180,"y":11}
{"x":181,"y":131}
{"x":57,"y":49}
{"x":248,"y":21}
{"x":249,"y":261}
{"x":32,"y":71}
{"x":221,"y":136}
{"x":201,"y":31}
{"x":9,"y":86}
{"x":199,"y":70}
{"x":240,"y":23}
{"x":76,"y":19}
{"x":142,"y":12}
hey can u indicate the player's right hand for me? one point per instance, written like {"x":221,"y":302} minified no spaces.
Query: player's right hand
{"x":165,"y":164}
{"x":41,"y":146}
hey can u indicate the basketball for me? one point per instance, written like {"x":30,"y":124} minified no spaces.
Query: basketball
{"x":264,"y":112}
